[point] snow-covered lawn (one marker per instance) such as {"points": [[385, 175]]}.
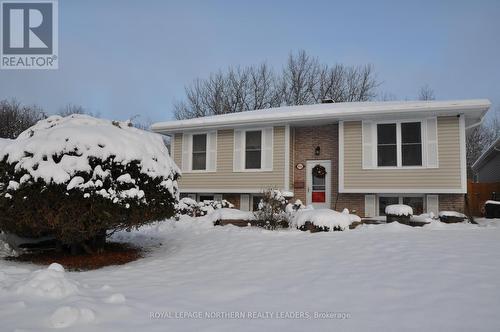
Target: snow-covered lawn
{"points": [[385, 277]]}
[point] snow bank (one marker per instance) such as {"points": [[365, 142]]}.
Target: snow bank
{"points": [[451, 214], [57, 148], [48, 283], [321, 218], [228, 214], [399, 210], [352, 217], [115, 298], [4, 142], [67, 316]]}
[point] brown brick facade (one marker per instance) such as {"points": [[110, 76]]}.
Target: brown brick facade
{"points": [[451, 202], [354, 202], [306, 139]]}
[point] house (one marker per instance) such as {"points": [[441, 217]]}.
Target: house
{"points": [[361, 156], [487, 166]]}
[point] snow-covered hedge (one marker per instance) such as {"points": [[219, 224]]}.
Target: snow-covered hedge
{"points": [[323, 219], [451, 214], [192, 208], [75, 177]]}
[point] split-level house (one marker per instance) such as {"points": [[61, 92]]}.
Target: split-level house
{"points": [[362, 156]]}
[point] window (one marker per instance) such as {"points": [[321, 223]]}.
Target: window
{"points": [[387, 144], [399, 144], [206, 198], [415, 202], [255, 202], [411, 144], [199, 152], [384, 201], [253, 149]]}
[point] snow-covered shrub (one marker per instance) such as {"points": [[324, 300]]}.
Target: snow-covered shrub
{"points": [[291, 208], [271, 210], [451, 217], [321, 220], [192, 208], [210, 206], [398, 212], [186, 206], [76, 177]]}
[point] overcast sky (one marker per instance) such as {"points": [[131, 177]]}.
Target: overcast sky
{"points": [[121, 58]]}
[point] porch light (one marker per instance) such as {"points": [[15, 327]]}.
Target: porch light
{"points": [[317, 151]]}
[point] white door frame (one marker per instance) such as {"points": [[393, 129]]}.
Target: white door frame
{"points": [[327, 164]]}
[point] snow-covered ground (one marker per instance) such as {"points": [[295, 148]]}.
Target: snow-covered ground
{"points": [[381, 277]]}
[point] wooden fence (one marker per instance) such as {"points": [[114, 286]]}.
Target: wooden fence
{"points": [[478, 193]]}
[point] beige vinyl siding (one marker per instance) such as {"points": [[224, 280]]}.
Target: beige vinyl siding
{"points": [[447, 176], [224, 178]]}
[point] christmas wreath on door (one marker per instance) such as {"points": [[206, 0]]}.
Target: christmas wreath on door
{"points": [[319, 171]]}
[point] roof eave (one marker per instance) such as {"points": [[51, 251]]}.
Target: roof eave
{"points": [[474, 109]]}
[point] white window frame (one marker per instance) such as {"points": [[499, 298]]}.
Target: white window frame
{"points": [[244, 154], [206, 170], [191, 152], [262, 157], [399, 144]]}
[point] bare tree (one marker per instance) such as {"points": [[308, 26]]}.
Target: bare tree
{"points": [[16, 118], [426, 93], [70, 109], [481, 137], [303, 80]]}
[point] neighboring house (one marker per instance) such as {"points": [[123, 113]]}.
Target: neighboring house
{"points": [[487, 166], [373, 153]]}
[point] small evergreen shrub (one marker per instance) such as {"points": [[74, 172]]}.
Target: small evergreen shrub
{"points": [[271, 210]]}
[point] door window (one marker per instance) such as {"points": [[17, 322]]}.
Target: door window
{"points": [[318, 189]]}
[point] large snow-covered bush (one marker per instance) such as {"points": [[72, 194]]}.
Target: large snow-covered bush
{"points": [[78, 176]]}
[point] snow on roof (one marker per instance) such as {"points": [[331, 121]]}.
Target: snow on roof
{"points": [[473, 109], [79, 137], [495, 147]]}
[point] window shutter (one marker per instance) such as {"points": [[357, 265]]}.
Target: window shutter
{"points": [[212, 151], [267, 149], [368, 134], [245, 202], [187, 148], [432, 143], [370, 206], [433, 204], [238, 151]]}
